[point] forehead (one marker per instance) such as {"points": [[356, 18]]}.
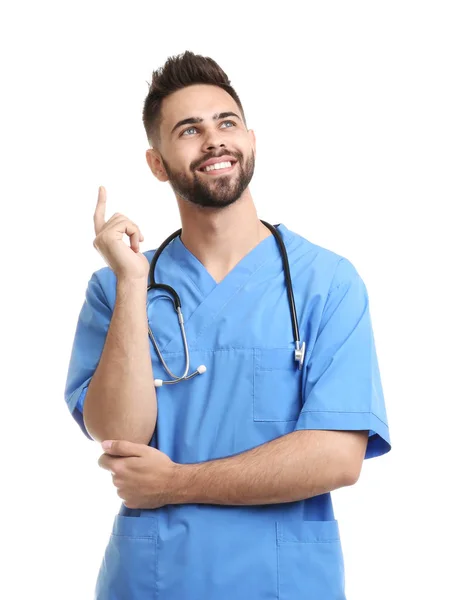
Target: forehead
{"points": [[195, 101]]}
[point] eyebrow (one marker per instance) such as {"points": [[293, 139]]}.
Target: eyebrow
{"points": [[191, 120]]}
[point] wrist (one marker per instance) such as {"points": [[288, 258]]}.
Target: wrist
{"points": [[135, 287], [183, 484], [124, 280]]}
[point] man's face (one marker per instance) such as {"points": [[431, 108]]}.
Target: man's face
{"points": [[201, 123]]}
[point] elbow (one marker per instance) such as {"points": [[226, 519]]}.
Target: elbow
{"points": [[350, 470], [344, 475], [353, 456], [100, 434], [350, 477], [138, 433]]}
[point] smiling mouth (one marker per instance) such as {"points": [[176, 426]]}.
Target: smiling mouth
{"points": [[216, 170]]}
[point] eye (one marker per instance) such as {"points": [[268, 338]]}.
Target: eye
{"points": [[194, 128], [186, 130]]}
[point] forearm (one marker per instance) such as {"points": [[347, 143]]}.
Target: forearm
{"points": [[121, 399], [293, 467]]}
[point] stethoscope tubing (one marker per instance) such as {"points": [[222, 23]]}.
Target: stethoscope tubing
{"points": [[177, 305], [288, 281]]}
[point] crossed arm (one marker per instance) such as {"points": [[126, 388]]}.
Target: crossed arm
{"points": [[293, 467]]}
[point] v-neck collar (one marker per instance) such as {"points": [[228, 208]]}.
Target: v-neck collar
{"points": [[216, 296], [195, 270]]}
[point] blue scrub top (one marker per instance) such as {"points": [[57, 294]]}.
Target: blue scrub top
{"points": [[251, 393]]}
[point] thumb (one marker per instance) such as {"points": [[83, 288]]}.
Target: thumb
{"points": [[122, 448]]}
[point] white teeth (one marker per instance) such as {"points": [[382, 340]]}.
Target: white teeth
{"points": [[222, 165]]}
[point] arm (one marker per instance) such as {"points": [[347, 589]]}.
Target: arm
{"points": [[121, 399], [293, 467]]}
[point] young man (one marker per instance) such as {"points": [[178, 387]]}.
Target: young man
{"points": [[226, 475]]}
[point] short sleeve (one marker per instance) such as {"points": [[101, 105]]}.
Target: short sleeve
{"points": [[91, 332], [343, 388]]}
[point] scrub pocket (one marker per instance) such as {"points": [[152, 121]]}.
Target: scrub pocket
{"points": [[310, 561], [277, 383], [128, 569]]}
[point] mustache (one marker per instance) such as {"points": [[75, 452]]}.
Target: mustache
{"points": [[223, 153]]}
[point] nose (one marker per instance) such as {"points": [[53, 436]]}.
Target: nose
{"points": [[212, 140]]}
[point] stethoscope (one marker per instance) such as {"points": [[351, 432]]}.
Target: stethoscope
{"points": [[299, 352]]}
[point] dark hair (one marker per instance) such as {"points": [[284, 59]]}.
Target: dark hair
{"points": [[179, 72]]}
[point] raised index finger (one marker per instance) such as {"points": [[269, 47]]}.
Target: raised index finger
{"points": [[99, 213]]}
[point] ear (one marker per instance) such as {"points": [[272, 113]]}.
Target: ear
{"points": [[252, 140], [156, 165]]}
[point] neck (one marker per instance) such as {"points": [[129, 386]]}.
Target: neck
{"points": [[220, 238]]}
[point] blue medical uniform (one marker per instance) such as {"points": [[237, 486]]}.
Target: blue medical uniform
{"points": [[251, 393]]}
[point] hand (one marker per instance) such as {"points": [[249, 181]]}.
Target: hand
{"points": [[143, 475], [125, 262]]}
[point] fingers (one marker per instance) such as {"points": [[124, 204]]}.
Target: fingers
{"points": [[123, 448], [134, 233], [118, 223], [134, 242], [136, 237], [106, 462], [127, 226], [99, 213]]}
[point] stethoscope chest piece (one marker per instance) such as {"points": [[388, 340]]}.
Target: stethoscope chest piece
{"points": [[299, 355]]}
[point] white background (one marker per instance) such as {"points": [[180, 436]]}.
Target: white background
{"points": [[351, 103]]}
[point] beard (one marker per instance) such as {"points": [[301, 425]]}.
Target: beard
{"points": [[213, 192]]}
